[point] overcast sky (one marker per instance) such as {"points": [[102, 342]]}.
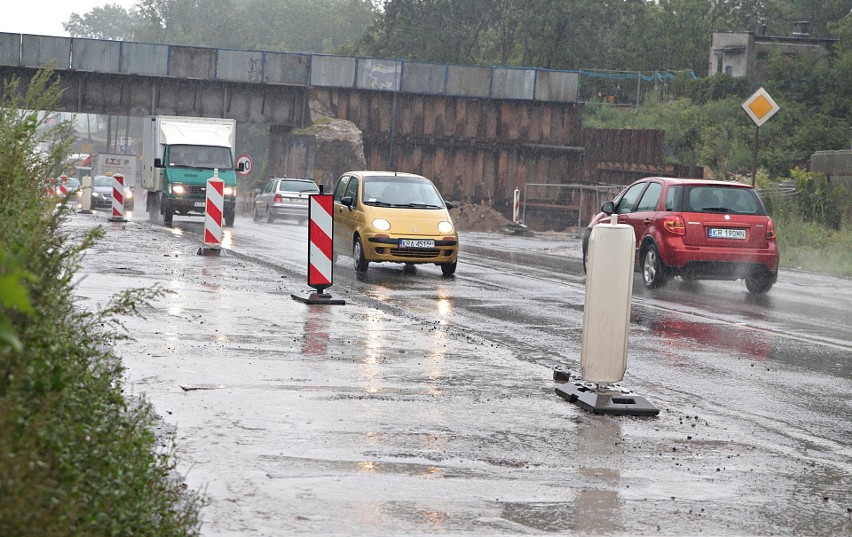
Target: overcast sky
{"points": [[45, 17]]}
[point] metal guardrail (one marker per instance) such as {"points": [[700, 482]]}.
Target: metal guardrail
{"points": [[559, 203]]}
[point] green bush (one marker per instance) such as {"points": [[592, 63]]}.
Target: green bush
{"points": [[76, 458]]}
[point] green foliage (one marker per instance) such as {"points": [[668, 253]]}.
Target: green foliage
{"points": [[718, 87], [75, 458]]}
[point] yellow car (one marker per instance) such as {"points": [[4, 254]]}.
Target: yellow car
{"points": [[393, 217]]}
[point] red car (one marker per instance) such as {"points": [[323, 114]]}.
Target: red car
{"points": [[696, 229]]}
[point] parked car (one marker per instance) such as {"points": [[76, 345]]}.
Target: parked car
{"points": [[385, 216], [284, 197], [102, 193], [697, 230]]}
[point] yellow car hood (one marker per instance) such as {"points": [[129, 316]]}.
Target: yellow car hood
{"points": [[410, 221]]}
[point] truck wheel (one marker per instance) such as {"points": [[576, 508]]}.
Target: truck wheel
{"points": [[229, 219], [168, 213]]}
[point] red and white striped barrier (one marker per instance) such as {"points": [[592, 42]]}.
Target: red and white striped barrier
{"points": [[320, 249], [516, 208], [63, 186], [213, 215], [117, 198]]}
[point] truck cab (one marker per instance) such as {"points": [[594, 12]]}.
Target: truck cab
{"points": [[187, 152]]}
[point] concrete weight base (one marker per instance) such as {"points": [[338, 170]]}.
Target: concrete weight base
{"points": [[604, 402], [318, 298]]}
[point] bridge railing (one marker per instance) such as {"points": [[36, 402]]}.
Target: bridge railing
{"points": [[298, 69]]}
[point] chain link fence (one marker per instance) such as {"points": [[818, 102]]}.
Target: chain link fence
{"points": [[563, 207]]}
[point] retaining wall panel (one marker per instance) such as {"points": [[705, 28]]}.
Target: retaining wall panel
{"points": [[556, 86], [382, 75], [283, 68], [10, 49], [334, 71], [95, 55], [513, 83], [428, 78], [145, 59], [39, 50], [192, 62], [468, 81], [240, 65]]}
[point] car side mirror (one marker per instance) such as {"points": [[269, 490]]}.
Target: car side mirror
{"points": [[158, 163], [346, 201], [608, 207], [257, 191], [449, 205]]}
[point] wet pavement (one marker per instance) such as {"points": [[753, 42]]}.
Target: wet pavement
{"points": [[426, 405]]}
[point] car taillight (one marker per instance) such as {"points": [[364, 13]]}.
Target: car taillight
{"points": [[674, 225], [278, 198], [770, 229]]}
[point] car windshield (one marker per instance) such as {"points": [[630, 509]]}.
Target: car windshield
{"points": [[722, 199], [395, 191], [200, 156], [298, 186], [73, 182], [102, 180]]}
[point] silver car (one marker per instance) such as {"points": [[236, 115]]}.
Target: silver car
{"points": [[102, 193], [284, 197]]}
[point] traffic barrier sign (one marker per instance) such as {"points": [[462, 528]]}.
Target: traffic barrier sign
{"points": [[213, 216], [516, 208], [606, 323], [320, 249], [117, 199], [63, 186]]}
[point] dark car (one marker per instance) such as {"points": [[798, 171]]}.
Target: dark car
{"points": [[284, 197], [696, 230], [102, 188]]}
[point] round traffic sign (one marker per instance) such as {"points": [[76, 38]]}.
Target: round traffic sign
{"points": [[245, 160]]}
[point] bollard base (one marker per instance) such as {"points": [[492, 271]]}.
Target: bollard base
{"points": [[116, 219], [318, 298], [561, 375], [516, 228], [84, 211], [603, 402], [210, 251]]}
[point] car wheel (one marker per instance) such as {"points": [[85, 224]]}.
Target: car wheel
{"points": [[653, 271], [758, 284], [254, 214], [448, 269], [358, 255], [269, 216]]}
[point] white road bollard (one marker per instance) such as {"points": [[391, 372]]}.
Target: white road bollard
{"points": [[320, 250], [516, 207], [213, 208], [117, 199], [606, 324], [86, 196]]}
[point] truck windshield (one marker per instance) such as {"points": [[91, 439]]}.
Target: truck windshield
{"points": [[200, 156]]}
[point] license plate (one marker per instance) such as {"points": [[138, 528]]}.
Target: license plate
{"points": [[725, 233], [416, 243], [198, 204]]}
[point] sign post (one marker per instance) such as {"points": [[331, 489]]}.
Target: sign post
{"points": [[759, 107]]}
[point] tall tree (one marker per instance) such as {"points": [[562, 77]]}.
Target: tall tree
{"points": [[110, 21]]}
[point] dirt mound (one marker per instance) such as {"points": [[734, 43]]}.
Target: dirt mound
{"points": [[477, 218]]}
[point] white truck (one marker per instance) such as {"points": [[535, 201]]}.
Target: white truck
{"points": [[113, 163], [179, 155]]}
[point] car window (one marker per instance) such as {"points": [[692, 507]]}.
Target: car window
{"points": [[293, 185], [672, 196], [102, 180], [402, 191], [723, 199], [651, 197], [628, 200], [341, 188], [352, 189], [270, 185]]}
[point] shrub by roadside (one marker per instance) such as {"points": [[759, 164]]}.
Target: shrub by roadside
{"points": [[75, 457]]}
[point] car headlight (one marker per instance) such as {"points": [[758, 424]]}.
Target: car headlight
{"points": [[228, 191], [178, 189], [445, 227], [381, 224]]}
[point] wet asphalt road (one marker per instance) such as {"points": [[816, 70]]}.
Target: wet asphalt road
{"points": [[426, 404]]}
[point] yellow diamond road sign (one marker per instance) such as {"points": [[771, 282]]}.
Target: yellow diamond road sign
{"points": [[760, 107]]}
